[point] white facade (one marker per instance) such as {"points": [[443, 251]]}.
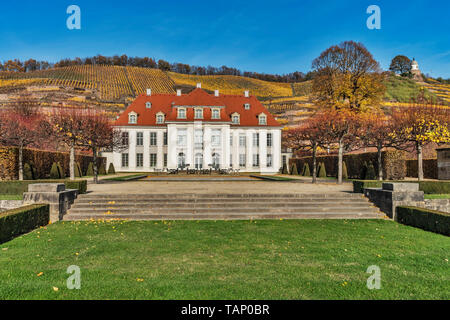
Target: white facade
{"points": [[199, 144]]}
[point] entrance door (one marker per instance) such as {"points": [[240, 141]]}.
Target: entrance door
{"points": [[216, 160], [181, 160], [198, 161]]}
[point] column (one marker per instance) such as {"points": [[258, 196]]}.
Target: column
{"points": [[171, 146], [207, 157], [263, 151], [249, 150], [132, 151], [160, 152]]}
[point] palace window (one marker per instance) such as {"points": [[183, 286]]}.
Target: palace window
{"points": [[165, 138], [139, 160], [262, 119], [269, 160], [152, 159], [124, 160], [215, 114], [159, 118], [132, 118], [256, 160], [181, 137], [215, 137], [256, 139], [125, 138], [198, 139], [148, 105], [242, 140], [235, 119], [181, 113], [165, 160], [269, 139], [140, 139], [198, 113], [153, 139], [242, 160]]}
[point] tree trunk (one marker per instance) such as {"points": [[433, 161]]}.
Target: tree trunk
{"points": [[419, 161], [72, 163], [314, 168], [380, 165], [340, 160], [21, 162], [94, 165]]}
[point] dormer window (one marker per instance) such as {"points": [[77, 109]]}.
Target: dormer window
{"points": [[148, 105], [181, 113], [132, 118], [160, 118], [247, 106], [235, 118], [198, 113], [215, 114], [262, 119]]}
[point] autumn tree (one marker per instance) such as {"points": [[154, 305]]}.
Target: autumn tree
{"points": [[347, 76], [421, 124], [23, 126], [377, 130], [308, 136], [339, 128], [400, 65]]}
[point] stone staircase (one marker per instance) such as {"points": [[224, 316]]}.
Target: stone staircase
{"points": [[222, 206]]}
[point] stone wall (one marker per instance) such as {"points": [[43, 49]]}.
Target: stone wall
{"points": [[437, 204]]}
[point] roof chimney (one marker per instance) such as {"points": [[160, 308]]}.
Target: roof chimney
{"points": [[178, 92], [199, 85], [246, 93], [216, 93], [149, 92]]}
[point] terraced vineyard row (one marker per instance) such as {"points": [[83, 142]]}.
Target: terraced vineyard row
{"points": [[234, 85]]}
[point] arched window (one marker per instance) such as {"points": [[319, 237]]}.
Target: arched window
{"points": [[216, 160], [132, 118], [262, 119], [181, 160], [198, 161], [148, 105], [159, 118]]}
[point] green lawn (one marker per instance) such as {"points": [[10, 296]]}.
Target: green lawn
{"points": [[437, 196], [277, 259], [11, 197]]}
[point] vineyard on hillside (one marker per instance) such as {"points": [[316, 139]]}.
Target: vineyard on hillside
{"points": [[109, 82], [234, 85]]}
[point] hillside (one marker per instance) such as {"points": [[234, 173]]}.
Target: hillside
{"points": [[112, 88]]}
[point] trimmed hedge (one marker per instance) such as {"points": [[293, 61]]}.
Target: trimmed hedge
{"points": [[21, 220], [428, 187], [393, 163], [430, 168], [430, 220], [111, 169], [19, 187]]}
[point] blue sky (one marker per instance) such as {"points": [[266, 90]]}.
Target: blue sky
{"points": [[264, 36]]}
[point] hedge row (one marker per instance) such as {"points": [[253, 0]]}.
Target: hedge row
{"points": [[430, 169], [19, 187], [40, 161], [21, 220], [428, 187], [393, 163], [430, 220]]}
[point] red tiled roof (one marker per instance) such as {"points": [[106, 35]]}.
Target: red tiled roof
{"points": [[167, 103]]}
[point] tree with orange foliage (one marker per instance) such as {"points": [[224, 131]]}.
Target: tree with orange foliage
{"points": [[308, 136], [376, 130], [421, 124]]}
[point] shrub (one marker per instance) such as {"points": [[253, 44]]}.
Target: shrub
{"points": [[306, 171], [363, 171], [28, 172], [430, 168], [285, 169], [111, 169], [370, 172], [294, 169], [62, 174], [102, 169], [344, 171], [54, 172], [80, 185], [394, 165], [428, 187], [77, 170], [430, 220], [322, 170], [90, 169], [21, 220]]}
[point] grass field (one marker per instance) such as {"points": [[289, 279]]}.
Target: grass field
{"points": [[288, 259]]}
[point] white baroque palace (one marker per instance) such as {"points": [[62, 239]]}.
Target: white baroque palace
{"points": [[198, 130]]}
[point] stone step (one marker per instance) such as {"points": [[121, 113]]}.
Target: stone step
{"points": [[217, 205], [217, 196], [222, 210], [224, 216]]}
